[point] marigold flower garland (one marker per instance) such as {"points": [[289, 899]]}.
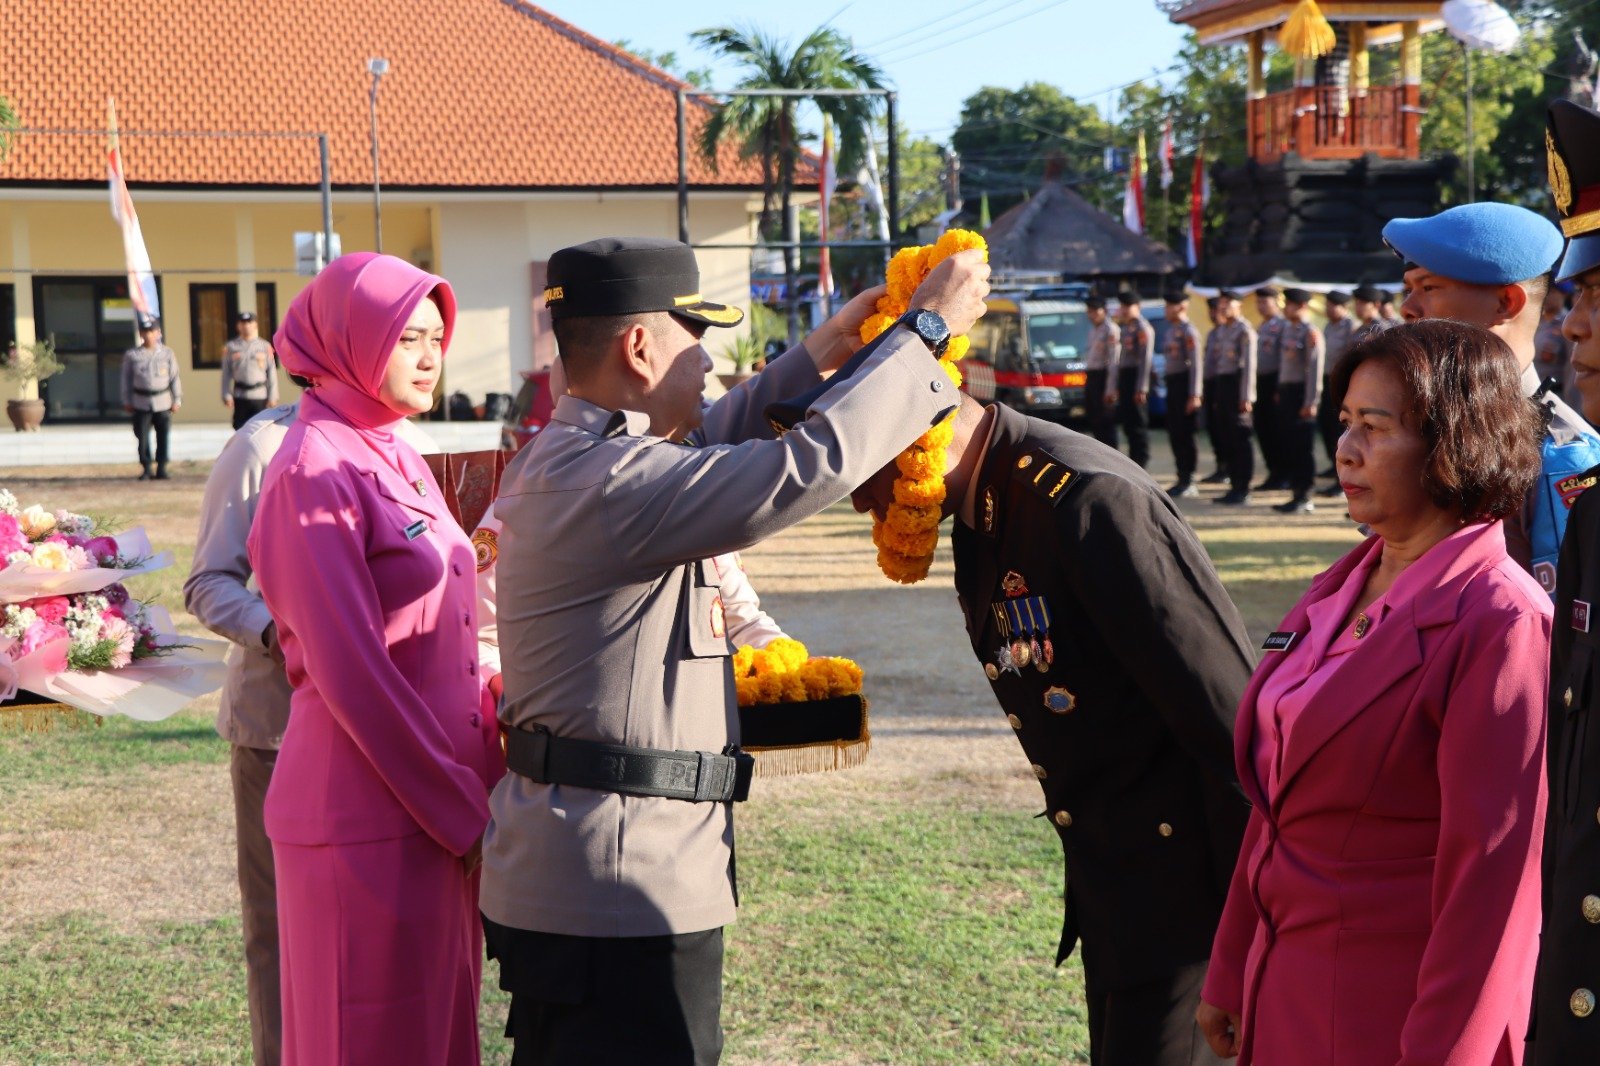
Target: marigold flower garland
{"points": [[784, 672], [906, 539]]}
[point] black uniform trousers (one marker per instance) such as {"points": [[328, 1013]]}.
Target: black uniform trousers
{"points": [[1102, 419], [142, 423], [1149, 1024], [1328, 422], [1297, 439], [1233, 428], [244, 410], [1216, 428], [600, 1001], [1265, 419], [1181, 425], [1133, 417]]}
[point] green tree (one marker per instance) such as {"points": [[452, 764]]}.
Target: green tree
{"points": [[765, 128], [1006, 138], [700, 77], [8, 122]]}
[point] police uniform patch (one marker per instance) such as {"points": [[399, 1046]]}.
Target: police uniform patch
{"points": [[486, 545], [1046, 476], [1574, 486], [719, 618], [1580, 616], [1058, 700], [1014, 584]]}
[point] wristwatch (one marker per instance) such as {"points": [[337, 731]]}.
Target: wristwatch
{"points": [[928, 325]]}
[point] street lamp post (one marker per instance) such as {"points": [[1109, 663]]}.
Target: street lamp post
{"points": [[377, 68]]}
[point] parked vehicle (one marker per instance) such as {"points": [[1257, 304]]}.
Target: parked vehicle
{"points": [[529, 412], [1027, 352]]}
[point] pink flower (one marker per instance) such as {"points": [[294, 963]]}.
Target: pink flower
{"points": [[116, 629], [51, 608], [37, 635], [112, 612], [102, 549], [12, 538], [115, 594]]}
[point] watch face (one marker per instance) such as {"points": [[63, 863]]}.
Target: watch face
{"points": [[932, 329]]}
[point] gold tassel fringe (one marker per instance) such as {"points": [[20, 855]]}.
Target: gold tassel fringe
{"points": [[1307, 34], [44, 717], [811, 758]]}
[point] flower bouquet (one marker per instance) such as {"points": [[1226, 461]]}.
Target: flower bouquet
{"points": [[70, 634], [799, 714]]}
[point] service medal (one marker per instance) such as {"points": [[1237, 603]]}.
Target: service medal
{"points": [[1020, 653], [1058, 700], [1040, 663], [1007, 664]]}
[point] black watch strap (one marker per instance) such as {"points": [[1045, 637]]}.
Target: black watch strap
{"points": [[930, 326]]}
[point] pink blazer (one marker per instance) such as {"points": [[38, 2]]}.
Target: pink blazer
{"points": [[1385, 906], [372, 585]]}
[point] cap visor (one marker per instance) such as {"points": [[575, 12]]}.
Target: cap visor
{"points": [[1582, 255], [711, 314]]}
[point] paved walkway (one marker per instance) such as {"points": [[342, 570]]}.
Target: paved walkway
{"points": [[75, 445]]}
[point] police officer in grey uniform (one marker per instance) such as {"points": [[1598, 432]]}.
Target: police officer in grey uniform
{"points": [[152, 393], [1136, 353], [1269, 342], [249, 372], [1219, 475], [1185, 390], [1302, 354], [1234, 393], [1338, 335], [608, 861], [1097, 364]]}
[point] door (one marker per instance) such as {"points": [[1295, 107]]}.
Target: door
{"points": [[92, 321]]}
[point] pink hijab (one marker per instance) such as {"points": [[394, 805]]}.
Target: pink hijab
{"points": [[342, 328]]}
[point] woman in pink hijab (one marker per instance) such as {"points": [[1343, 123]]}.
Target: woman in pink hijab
{"points": [[379, 799]]}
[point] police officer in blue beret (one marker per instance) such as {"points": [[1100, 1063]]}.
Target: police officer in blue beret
{"points": [[1565, 1027], [1490, 265]]}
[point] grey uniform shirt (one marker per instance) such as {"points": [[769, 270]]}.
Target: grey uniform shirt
{"points": [[1102, 346], [150, 379], [1136, 345], [221, 590], [1338, 337], [1234, 344], [1302, 355], [1269, 342], [610, 626], [1183, 356], [248, 371]]}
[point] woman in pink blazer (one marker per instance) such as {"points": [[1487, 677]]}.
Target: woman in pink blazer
{"points": [[379, 798], [1385, 907]]}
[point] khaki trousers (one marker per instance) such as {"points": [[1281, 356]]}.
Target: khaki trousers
{"points": [[251, 770]]}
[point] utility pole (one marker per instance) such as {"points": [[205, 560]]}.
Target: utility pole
{"points": [[377, 68]]}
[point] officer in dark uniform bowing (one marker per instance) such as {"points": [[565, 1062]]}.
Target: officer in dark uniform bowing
{"points": [[1119, 660], [1565, 1027]]}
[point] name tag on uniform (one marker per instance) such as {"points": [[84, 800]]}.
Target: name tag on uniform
{"points": [[1279, 641], [1580, 616], [416, 529]]}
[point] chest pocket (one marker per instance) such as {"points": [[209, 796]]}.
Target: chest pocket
{"points": [[403, 551], [704, 621]]}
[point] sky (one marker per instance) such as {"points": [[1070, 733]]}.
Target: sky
{"points": [[936, 53]]}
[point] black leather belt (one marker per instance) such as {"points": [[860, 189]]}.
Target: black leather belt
{"points": [[695, 776], [154, 392]]}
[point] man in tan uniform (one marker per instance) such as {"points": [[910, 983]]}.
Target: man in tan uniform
{"points": [[608, 861], [249, 372], [152, 393]]}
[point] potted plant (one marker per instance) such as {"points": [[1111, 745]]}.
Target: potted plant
{"points": [[745, 351], [25, 365]]}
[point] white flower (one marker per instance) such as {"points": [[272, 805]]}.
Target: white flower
{"points": [[114, 628], [36, 522], [52, 555], [8, 503]]}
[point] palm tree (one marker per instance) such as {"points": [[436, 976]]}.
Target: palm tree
{"points": [[764, 126]]}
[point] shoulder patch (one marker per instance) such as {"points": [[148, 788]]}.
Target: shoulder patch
{"points": [[1045, 475]]}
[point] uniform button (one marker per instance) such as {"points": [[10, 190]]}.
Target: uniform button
{"points": [[476, 720], [1063, 819], [472, 668], [1581, 1003], [466, 618], [1040, 772], [1164, 829], [1016, 723], [1566, 697], [936, 386], [1591, 909]]}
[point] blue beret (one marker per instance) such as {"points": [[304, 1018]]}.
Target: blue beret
{"points": [[1481, 244]]}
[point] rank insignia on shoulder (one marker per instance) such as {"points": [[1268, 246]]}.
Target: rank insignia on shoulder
{"points": [[1279, 641], [988, 509], [1058, 700], [1014, 584], [1580, 616], [1046, 476], [486, 545]]}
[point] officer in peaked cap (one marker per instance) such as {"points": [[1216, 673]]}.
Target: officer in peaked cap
{"points": [[608, 862], [1128, 388], [1185, 381], [1367, 301], [1232, 345], [152, 393], [1490, 265], [1337, 335], [1301, 356], [1099, 366], [1565, 1027], [1118, 659]]}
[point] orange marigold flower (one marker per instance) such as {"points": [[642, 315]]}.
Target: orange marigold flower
{"points": [[912, 520], [743, 656], [876, 324], [939, 436], [914, 545], [749, 690], [929, 493], [787, 653], [957, 350], [919, 464], [953, 372], [901, 568], [956, 240]]}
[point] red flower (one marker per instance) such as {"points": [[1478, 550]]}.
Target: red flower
{"points": [[51, 608]]}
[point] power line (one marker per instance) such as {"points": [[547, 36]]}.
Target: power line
{"points": [[963, 36], [969, 10]]}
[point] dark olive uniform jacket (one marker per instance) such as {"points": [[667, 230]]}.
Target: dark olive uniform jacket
{"points": [[1130, 730], [1565, 1028]]}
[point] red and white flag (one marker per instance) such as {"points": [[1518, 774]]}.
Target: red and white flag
{"points": [[1133, 197], [141, 279], [1166, 155], [830, 181], [1199, 197]]}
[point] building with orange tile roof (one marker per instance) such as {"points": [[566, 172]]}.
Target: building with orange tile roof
{"points": [[504, 134]]}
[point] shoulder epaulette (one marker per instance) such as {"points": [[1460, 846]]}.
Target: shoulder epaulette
{"points": [[1045, 475]]}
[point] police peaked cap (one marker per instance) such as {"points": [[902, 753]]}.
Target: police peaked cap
{"points": [[1297, 296], [1480, 244], [1337, 298], [1369, 294], [1573, 151], [628, 276]]}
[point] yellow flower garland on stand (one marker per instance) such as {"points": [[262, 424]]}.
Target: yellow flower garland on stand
{"points": [[781, 673], [906, 539]]}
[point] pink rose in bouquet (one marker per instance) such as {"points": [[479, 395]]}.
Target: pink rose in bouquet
{"points": [[38, 634], [12, 539], [103, 550], [51, 608]]}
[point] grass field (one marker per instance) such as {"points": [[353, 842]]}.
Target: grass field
{"points": [[903, 912]]}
